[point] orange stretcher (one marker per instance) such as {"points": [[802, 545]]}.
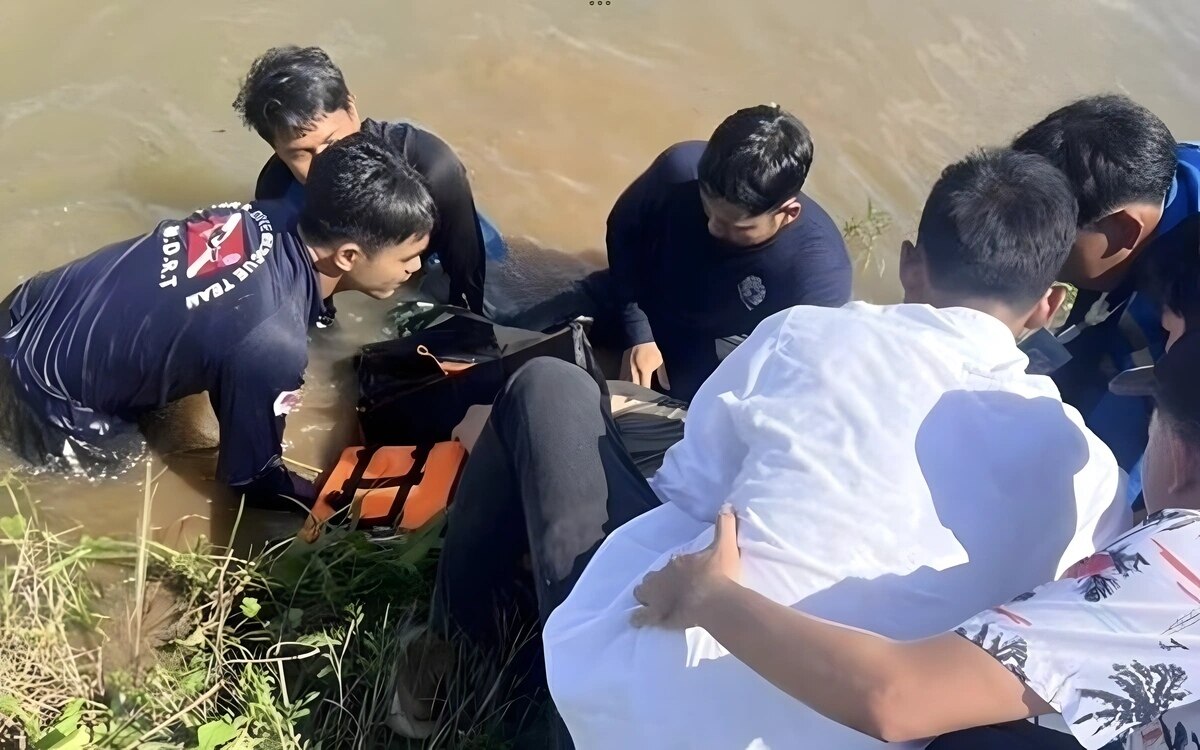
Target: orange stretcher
{"points": [[396, 487]]}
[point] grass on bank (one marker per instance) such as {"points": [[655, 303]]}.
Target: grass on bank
{"points": [[108, 643], [862, 235]]}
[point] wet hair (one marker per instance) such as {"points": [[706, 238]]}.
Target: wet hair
{"points": [[757, 159], [359, 191], [1114, 151], [287, 90], [998, 225]]}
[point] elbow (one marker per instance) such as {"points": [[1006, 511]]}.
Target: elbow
{"points": [[889, 715]]}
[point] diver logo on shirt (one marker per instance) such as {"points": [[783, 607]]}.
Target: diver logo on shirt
{"points": [[214, 243], [752, 291]]}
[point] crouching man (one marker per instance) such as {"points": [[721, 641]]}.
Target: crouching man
{"points": [[220, 301]]}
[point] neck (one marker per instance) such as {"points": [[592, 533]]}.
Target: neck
{"points": [[998, 310], [1190, 501], [328, 283]]}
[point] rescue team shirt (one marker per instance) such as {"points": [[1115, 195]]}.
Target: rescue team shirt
{"points": [[1113, 645], [689, 292], [220, 301], [456, 239]]}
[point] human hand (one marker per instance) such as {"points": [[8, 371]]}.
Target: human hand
{"points": [[674, 596], [640, 362]]}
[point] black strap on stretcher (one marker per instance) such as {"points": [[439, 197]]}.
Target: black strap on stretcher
{"points": [[403, 484]]}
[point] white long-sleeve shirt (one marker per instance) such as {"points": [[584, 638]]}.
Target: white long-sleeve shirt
{"points": [[893, 468]]}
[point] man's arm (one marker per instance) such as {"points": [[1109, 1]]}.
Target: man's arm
{"points": [[252, 398], [457, 238], [628, 239], [630, 226], [894, 691], [626, 242]]}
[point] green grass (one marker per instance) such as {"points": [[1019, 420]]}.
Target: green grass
{"points": [[111, 643], [862, 235]]}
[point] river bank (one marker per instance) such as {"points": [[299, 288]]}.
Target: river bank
{"points": [[111, 643]]}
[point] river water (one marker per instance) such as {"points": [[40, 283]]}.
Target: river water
{"points": [[115, 114]]}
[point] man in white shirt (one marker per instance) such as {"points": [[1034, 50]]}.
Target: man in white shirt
{"points": [[893, 468], [1112, 645]]}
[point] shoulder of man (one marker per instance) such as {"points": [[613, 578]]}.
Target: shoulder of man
{"points": [[421, 149], [818, 235], [679, 162], [274, 180]]}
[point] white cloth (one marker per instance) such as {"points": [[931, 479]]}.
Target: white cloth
{"points": [[893, 468], [1113, 644]]}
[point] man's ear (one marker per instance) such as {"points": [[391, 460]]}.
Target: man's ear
{"points": [[1046, 308], [1123, 230], [791, 211], [347, 255]]}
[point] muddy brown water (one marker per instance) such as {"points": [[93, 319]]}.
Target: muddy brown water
{"points": [[115, 114]]}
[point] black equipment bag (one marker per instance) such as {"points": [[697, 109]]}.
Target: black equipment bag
{"points": [[417, 388]]}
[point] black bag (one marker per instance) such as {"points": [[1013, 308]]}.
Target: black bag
{"points": [[416, 389]]}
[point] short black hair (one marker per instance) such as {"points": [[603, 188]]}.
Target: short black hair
{"points": [[289, 88], [757, 159], [1114, 151], [998, 225], [360, 191]]}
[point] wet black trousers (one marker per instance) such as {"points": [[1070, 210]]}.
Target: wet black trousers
{"points": [[548, 480], [1016, 735]]}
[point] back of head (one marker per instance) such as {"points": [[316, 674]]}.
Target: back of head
{"points": [[359, 191], [757, 159], [998, 226], [287, 89], [1115, 152]]}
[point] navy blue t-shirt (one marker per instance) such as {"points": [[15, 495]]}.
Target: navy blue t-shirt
{"points": [[457, 237], [693, 294], [220, 301]]}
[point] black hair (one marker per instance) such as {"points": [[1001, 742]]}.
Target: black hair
{"points": [[1114, 151], [359, 191], [289, 88], [757, 159], [998, 225]]}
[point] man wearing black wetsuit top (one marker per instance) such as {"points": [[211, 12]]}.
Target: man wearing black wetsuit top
{"points": [[220, 302], [297, 100], [712, 239]]}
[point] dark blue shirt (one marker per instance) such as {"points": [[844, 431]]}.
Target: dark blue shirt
{"points": [[218, 302], [1132, 334], [457, 239], [695, 295]]}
